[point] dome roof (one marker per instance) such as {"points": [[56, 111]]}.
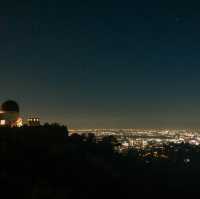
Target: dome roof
{"points": [[10, 106]]}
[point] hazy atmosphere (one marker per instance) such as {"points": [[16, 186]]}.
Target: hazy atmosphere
{"points": [[102, 64]]}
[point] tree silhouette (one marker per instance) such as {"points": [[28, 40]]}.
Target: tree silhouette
{"points": [[45, 162]]}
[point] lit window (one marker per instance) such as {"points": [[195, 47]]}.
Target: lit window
{"points": [[3, 122]]}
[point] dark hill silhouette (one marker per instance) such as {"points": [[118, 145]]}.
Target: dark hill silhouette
{"points": [[44, 162]]}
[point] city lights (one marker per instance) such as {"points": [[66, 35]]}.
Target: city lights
{"points": [[142, 138]]}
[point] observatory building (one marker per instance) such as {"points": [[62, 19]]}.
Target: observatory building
{"points": [[34, 121], [9, 114]]}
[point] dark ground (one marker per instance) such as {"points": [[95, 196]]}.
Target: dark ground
{"points": [[44, 162]]}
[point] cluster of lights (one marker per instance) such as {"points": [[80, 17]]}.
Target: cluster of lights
{"points": [[19, 122], [33, 120], [141, 139]]}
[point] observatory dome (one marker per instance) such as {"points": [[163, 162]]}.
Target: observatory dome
{"points": [[10, 106]]}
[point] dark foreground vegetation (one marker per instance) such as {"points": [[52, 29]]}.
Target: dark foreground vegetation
{"points": [[44, 162]]}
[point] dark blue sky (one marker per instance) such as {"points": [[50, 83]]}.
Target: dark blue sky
{"points": [[102, 63]]}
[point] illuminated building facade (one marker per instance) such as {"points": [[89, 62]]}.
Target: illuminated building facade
{"points": [[9, 114], [34, 121]]}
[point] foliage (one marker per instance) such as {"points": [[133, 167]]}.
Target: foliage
{"points": [[44, 162]]}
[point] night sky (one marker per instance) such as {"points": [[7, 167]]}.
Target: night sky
{"points": [[102, 63]]}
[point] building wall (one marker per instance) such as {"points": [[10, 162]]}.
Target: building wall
{"points": [[8, 118]]}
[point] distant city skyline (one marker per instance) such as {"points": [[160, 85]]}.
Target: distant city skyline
{"points": [[111, 64]]}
